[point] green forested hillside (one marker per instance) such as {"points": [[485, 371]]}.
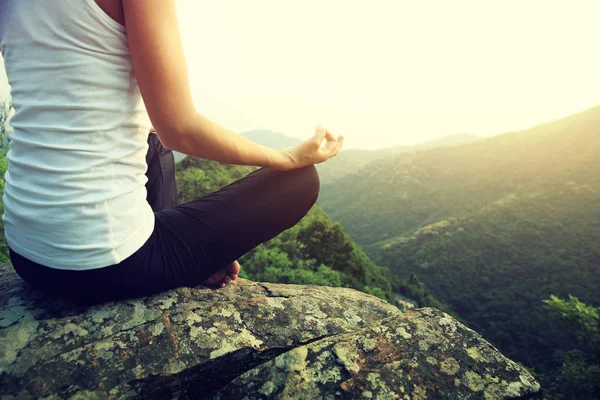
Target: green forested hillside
{"points": [[492, 228], [396, 195], [315, 251]]}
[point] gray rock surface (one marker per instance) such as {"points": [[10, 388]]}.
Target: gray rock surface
{"points": [[248, 340]]}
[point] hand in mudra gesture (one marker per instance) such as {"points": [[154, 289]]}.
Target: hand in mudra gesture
{"points": [[320, 147]]}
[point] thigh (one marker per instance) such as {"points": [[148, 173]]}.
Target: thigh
{"points": [[143, 273], [221, 227]]}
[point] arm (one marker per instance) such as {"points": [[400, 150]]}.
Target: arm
{"points": [[159, 64]]}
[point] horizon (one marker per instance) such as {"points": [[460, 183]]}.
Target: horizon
{"points": [[437, 137], [390, 73]]}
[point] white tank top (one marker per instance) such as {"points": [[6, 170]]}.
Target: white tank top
{"points": [[75, 195]]}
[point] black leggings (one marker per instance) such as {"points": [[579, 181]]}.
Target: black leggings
{"points": [[190, 241]]}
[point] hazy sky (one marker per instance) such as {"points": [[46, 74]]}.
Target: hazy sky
{"points": [[391, 72]]}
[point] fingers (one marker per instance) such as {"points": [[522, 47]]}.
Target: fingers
{"points": [[320, 133], [330, 136], [333, 145], [336, 146], [340, 143]]}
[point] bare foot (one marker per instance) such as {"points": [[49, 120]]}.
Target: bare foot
{"points": [[225, 275], [215, 278]]}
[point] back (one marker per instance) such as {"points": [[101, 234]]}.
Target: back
{"points": [[74, 195]]}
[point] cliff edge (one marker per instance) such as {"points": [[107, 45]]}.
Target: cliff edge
{"points": [[249, 340]]}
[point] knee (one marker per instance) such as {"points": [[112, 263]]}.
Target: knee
{"points": [[294, 190], [299, 191], [308, 182]]}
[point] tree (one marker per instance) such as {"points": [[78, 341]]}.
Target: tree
{"points": [[327, 243], [579, 375], [5, 114]]}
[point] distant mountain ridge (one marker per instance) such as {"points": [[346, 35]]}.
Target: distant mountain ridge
{"points": [[272, 139], [491, 227], [446, 141], [491, 166], [349, 161]]}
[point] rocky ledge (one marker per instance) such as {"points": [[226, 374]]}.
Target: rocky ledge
{"points": [[249, 340]]}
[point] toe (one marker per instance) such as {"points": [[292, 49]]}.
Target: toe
{"points": [[233, 268], [216, 277], [226, 280], [225, 276]]}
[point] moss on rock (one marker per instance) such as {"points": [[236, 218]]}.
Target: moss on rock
{"points": [[258, 340]]}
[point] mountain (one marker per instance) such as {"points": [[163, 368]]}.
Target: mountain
{"points": [[350, 161], [401, 193], [270, 139], [446, 141], [490, 228]]}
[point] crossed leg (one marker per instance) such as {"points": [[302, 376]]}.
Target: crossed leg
{"points": [[236, 218], [161, 192], [201, 240]]}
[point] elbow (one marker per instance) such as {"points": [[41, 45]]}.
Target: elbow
{"points": [[173, 134], [168, 140]]}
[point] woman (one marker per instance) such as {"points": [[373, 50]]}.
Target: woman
{"points": [[76, 216]]}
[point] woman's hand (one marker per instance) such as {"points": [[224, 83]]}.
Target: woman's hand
{"points": [[313, 150]]}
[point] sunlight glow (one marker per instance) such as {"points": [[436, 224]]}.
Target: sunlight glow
{"points": [[391, 72]]}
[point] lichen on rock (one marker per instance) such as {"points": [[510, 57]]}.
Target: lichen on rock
{"points": [[248, 340], [399, 369]]}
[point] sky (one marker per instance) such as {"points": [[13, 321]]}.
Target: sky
{"points": [[394, 72]]}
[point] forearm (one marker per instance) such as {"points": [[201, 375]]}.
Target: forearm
{"points": [[160, 69], [201, 137]]}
